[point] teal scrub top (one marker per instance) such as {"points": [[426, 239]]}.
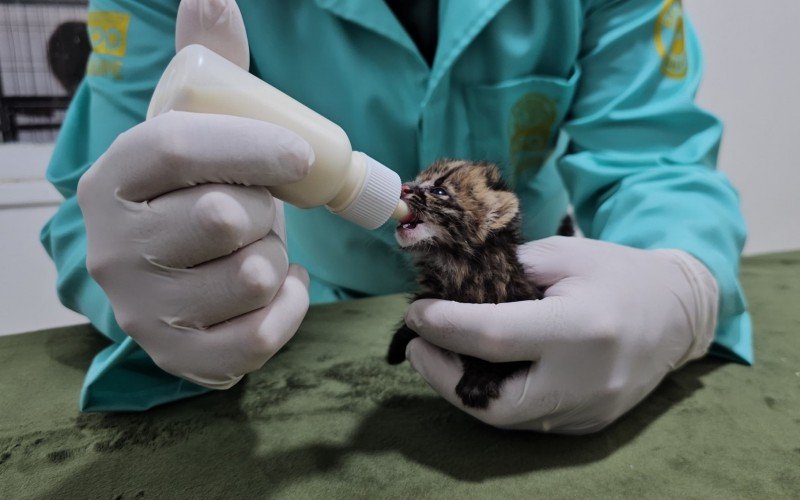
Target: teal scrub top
{"points": [[581, 101]]}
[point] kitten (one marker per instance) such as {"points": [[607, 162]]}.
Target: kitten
{"points": [[463, 232]]}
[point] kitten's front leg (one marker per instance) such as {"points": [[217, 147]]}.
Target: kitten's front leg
{"points": [[483, 380], [397, 348]]}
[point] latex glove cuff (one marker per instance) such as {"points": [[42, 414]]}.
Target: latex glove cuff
{"points": [[704, 306]]}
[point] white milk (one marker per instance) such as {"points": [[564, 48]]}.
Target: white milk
{"points": [[349, 183]]}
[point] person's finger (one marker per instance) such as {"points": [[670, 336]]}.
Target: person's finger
{"points": [[527, 401], [190, 226], [229, 350], [216, 24], [279, 222], [441, 369], [180, 149], [226, 288], [512, 331], [273, 326]]}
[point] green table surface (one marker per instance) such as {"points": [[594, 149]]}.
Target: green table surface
{"points": [[328, 418]]}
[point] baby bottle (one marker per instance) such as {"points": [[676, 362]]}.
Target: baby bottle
{"points": [[349, 183]]}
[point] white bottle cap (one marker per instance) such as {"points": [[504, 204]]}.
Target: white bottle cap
{"points": [[378, 197]]}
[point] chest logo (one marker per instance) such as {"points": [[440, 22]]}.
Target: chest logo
{"points": [[532, 120], [669, 39]]}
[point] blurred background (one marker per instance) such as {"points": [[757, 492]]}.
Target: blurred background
{"points": [[43, 52], [751, 81]]}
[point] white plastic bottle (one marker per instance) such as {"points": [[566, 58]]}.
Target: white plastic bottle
{"points": [[349, 183]]}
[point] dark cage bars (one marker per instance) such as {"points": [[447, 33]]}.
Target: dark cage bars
{"points": [[43, 51]]}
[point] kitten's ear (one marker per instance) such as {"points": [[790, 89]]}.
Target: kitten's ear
{"points": [[494, 179], [504, 206], [491, 172]]}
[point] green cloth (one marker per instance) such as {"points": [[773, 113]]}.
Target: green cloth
{"points": [[328, 418]]}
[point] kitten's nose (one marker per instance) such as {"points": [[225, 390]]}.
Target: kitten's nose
{"points": [[405, 191]]}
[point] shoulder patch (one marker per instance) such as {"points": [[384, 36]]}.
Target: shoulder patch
{"points": [[108, 32], [669, 41]]}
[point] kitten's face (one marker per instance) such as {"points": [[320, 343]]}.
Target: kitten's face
{"points": [[455, 204]]}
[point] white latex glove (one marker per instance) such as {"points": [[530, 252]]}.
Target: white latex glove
{"points": [[614, 321], [184, 236]]}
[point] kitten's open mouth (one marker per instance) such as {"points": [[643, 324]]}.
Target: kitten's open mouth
{"points": [[410, 221]]}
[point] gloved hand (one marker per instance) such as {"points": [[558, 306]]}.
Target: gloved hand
{"points": [[614, 321], [184, 236]]}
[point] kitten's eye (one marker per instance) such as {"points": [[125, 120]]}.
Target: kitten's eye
{"points": [[438, 191]]}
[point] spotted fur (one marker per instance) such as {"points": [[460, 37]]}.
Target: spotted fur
{"points": [[464, 245]]}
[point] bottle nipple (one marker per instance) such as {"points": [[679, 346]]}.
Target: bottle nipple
{"points": [[400, 211]]}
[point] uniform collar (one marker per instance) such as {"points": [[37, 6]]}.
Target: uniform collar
{"points": [[375, 16], [460, 22]]}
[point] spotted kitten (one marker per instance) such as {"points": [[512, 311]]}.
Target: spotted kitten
{"points": [[463, 232]]}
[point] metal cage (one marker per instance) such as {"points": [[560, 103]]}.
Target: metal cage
{"points": [[33, 93]]}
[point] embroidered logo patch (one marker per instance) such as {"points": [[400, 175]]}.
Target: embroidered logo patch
{"points": [[531, 124], [669, 39], [104, 67], [108, 32]]}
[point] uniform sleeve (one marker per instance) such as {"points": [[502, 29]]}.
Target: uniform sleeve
{"points": [[132, 42], [641, 165]]}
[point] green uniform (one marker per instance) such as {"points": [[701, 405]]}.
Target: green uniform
{"points": [[582, 101]]}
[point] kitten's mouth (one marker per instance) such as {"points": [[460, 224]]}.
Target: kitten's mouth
{"points": [[412, 231], [410, 221]]}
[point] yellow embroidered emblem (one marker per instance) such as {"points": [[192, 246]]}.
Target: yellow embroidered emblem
{"points": [[669, 30], [531, 124], [104, 67], [108, 32]]}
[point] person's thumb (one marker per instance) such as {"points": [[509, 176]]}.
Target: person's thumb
{"points": [[549, 260], [216, 24]]}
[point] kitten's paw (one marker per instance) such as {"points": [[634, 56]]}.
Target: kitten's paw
{"points": [[477, 391], [396, 354]]}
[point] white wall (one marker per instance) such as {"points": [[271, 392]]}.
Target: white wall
{"points": [[752, 81], [27, 276]]}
